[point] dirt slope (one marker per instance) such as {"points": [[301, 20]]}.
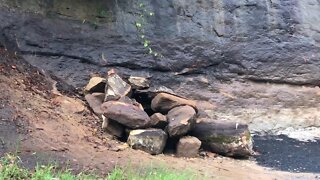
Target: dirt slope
{"points": [[41, 125]]}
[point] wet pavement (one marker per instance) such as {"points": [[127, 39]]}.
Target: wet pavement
{"points": [[286, 154]]}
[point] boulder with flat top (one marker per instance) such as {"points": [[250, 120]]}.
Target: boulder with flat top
{"points": [[164, 102], [181, 120], [226, 138], [126, 114]]}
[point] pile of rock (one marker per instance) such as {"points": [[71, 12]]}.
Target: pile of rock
{"points": [[169, 118]]}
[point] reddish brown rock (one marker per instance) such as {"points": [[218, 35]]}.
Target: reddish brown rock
{"points": [[95, 101], [112, 127], [158, 120], [126, 114], [128, 100], [181, 120], [164, 102], [188, 146]]}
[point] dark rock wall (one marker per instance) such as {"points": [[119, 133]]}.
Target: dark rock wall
{"points": [[261, 40]]}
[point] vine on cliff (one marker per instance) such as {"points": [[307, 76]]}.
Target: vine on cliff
{"points": [[140, 24]]}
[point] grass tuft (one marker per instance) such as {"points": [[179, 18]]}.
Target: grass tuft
{"points": [[10, 169]]}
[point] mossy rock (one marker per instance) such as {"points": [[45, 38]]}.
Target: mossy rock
{"points": [[225, 138]]}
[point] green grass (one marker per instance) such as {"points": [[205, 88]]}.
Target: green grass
{"points": [[150, 173], [10, 169]]}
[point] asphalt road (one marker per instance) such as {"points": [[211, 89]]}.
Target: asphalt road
{"points": [[286, 154]]}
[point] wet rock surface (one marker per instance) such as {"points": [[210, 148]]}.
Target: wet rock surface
{"points": [[261, 41]]}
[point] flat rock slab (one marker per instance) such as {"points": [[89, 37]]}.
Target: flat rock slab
{"points": [[164, 102], [151, 141], [96, 84], [225, 138], [181, 120], [95, 101], [139, 82], [188, 146], [126, 114]]}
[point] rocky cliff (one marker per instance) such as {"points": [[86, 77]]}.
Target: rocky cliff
{"points": [[204, 45]]}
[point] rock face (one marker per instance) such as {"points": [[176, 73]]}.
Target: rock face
{"points": [[188, 146], [202, 45], [229, 139], [164, 102], [274, 41], [181, 119], [126, 114], [95, 101], [152, 141]]}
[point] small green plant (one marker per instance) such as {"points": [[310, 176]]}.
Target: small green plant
{"points": [[150, 173], [140, 24], [116, 174], [9, 168]]}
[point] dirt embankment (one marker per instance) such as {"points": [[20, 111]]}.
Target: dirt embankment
{"points": [[41, 124]]}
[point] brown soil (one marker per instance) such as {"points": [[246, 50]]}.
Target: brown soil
{"points": [[43, 125]]}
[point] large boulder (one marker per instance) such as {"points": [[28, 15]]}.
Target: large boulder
{"points": [[164, 102], [126, 114], [95, 101], [188, 146], [96, 84], [225, 138], [116, 87], [151, 141], [181, 120]]}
